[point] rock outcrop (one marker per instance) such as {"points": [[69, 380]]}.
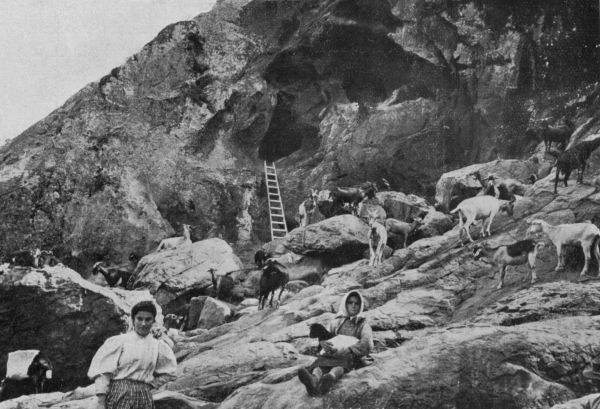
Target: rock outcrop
{"points": [[59, 313], [173, 276]]}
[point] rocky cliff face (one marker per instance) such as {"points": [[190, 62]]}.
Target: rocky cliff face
{"points": [[340, 91]]}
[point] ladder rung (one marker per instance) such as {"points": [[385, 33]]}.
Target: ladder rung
{"points": [[274, 229], [279, 216]]}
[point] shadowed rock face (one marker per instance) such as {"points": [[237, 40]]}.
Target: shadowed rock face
{"points": [[64, 316], [341, 91]]}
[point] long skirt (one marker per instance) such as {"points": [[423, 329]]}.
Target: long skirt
{"points": [[128, 394]]}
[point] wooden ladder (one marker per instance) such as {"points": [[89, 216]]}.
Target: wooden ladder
{"points": [[276, 213]]}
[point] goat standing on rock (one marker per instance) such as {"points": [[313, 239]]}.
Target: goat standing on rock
{"points": [[586, 235], [481, 208], [397, 227], [113, 275], [377, 239], [176, 242], [271, 279], [575, 157], [521, 252], [307, 208]]}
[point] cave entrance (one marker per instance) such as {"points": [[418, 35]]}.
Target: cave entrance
{"points": [[286, 134]]}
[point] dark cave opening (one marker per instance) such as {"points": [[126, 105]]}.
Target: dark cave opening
{"points": [[370, 66], [286, 134]]}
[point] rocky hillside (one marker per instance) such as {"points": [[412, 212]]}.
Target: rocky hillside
{"points": [[434, 96], [340, 92]]}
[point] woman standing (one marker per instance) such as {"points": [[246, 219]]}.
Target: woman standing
{"points": [[128, 366]]}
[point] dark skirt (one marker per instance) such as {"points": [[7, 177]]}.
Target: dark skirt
{"points": [[128, 394]]}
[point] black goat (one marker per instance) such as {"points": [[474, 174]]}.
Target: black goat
{"points": [[559, 134], [112, 275], [351, 196], [38, 374], [271, 279], [222, 285], [25, 258], [174, 321], [573, 158], [260, 257], [47, 258]]}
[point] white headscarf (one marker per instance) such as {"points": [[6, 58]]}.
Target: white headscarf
{"points": [[342, 312]]}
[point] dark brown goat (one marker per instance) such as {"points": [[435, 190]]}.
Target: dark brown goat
{"points": [[271, 279], [573, 158], [559, 134], [222, 285], [113, 275]]}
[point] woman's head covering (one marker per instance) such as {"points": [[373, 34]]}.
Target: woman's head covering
{"points": [[342, 312]]}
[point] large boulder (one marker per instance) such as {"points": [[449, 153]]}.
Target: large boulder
{"points": [[214, 313], [457, 185], [215, 373], [341, 239], [61, 314], [174, 275]]}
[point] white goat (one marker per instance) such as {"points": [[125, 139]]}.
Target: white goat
{"points": [[307, 208], [521, 252], [481, 208], [403, 228], [584, 234], [377, 239], [175, 242]]}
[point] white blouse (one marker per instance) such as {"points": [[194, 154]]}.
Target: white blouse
{"points": [[130, 356]]}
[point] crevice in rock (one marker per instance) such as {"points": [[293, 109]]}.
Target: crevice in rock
{"points": [[286, 133]]}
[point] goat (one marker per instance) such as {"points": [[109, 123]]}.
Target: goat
{"points": [[271, 279], [351, 195], [521, 252], [47, 258], [307, 208], [574, 158], [222, 285], [112, 275], [175, 242], [174, 321], [481, 207], [584, 234], [377, 239], [559, 134], [25, 258], [260, 257], [39, 372], [397, 227]]}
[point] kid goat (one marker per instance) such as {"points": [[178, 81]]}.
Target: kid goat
{"points": [[584, 234], [521, 252], [377, 239], [481, 208], [175, 242]]}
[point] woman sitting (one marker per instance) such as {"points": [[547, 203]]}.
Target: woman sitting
{"points": [[128, 366], [319, 377]]}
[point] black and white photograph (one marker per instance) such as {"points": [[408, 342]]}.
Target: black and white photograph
{"points": [[300, 204]]}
